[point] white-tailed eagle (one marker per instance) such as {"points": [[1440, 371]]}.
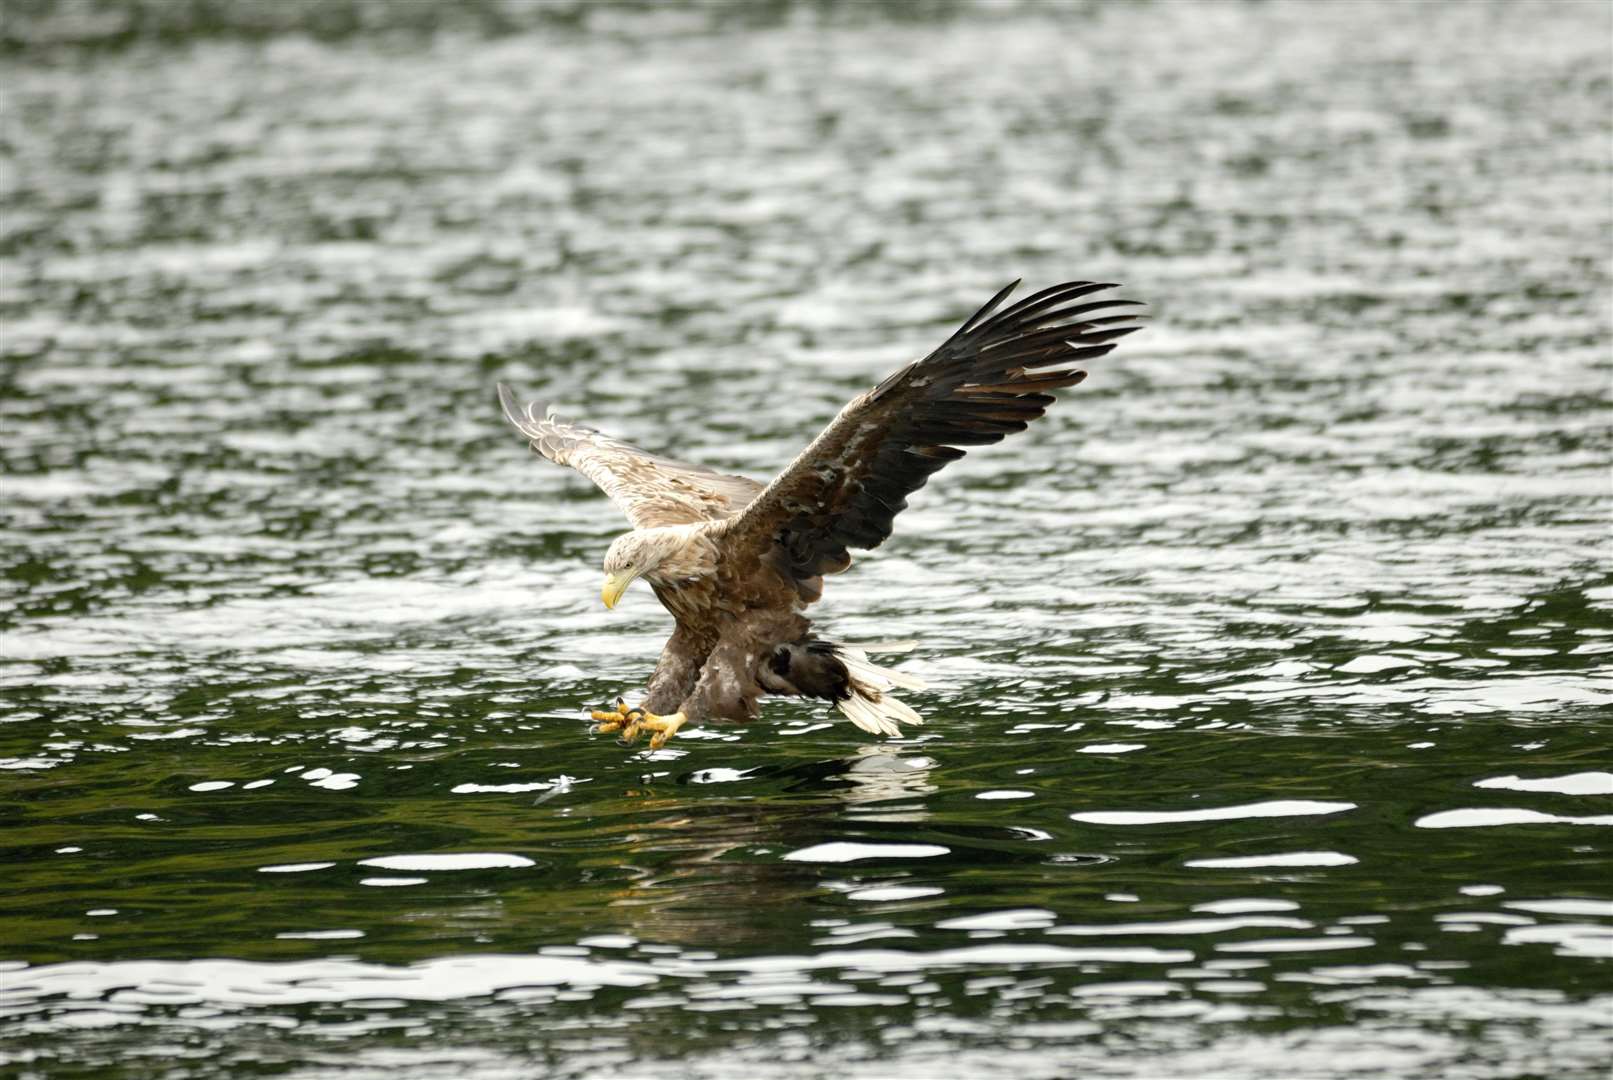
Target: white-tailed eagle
{"points": [[737, 563]]}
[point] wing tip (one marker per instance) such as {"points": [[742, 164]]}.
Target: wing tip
{"points": [[524, 417], [989, 308]]}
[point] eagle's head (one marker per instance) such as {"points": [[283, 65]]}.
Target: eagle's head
{"points": [[637, 553]]}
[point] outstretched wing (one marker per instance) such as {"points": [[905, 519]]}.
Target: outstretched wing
{"points": [[650, 490], [989, 379]]}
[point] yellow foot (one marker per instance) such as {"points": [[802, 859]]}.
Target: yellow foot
{"points": [[611, 722], [628, 723], [664, 727]]}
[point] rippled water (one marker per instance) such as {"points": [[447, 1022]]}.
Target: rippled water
{"points": [[1269, 724]]}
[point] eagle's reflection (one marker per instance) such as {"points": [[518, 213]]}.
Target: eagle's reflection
{"points": [[708, 869]]}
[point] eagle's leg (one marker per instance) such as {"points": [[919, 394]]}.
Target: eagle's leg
{"points": [[727, 689], [677, 670]]}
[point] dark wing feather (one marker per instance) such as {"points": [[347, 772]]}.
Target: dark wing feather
{"points": [[649, 489], [988, 380]]}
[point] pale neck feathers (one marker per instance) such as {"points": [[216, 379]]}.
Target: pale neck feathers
{"points": [[673, 554]]}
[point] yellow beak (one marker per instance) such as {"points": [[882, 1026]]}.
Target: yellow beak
{"points": [[615, 586]]}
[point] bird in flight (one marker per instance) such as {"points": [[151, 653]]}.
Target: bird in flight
{"points": [[738, 563]]}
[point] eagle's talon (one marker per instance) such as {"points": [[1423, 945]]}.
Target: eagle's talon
{"points": [[627, 723], [607, 723], [664, 727], [610, 722], [628, 726]]}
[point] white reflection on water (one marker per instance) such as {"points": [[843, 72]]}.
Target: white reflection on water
{"points": [[455, 861], [1272, 808], [1185, 926], [1587, 940], [1603, 908], [392, 882], [1014, 919], [318, 935], [1111, 748], [1292, 858], [1239, 906], [847, 851], [1486, 817], [1286, 945], [1583, 783], [884, 894], [505, 789]]}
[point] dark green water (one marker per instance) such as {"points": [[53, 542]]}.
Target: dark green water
{"points": [[1269, 730]]}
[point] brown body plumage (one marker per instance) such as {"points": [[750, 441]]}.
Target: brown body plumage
{"points": [[737, 563]]}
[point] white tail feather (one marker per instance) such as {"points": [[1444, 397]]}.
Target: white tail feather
{"points": [[870, 705], [857, 663]]}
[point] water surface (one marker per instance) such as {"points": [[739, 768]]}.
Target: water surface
{"points": [[1268, 731]]}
